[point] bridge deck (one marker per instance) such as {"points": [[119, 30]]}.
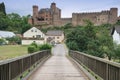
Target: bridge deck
{"points": [[58, 68]]}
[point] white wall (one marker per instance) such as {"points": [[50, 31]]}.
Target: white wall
{"points": [[28, 42], [116, 37], [33, 32], [61, 38]]}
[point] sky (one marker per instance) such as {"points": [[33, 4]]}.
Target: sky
{"points": [[24, 7]]}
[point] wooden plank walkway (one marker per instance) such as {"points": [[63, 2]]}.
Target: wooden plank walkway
{"points": [[58, 68]]}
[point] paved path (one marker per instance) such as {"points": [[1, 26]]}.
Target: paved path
{"points": [[58, 67]]}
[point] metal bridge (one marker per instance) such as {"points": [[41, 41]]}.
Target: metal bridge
{"points": [[60, 65]]}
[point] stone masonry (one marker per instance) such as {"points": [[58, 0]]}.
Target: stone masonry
{"points": [[52, 16]]}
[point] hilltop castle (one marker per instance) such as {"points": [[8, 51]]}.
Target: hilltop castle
{"points": [[52, 16]]}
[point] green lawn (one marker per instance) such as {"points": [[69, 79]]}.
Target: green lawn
{"points": [[11, 51]]}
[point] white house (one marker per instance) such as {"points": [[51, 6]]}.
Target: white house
{"points": [[116, 34], [33, 35], [54, 36]]}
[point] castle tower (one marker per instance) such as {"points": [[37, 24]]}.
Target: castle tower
{"points": [[56, 14], [113, 15], [53, 6], [35, 14], [35, 11], [74, 19]]}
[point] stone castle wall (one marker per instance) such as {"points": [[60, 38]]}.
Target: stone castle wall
{"points": [[65, 21], [54, 17], [97, 18]]}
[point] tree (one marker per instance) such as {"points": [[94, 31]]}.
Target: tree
{"points": [[3, 21], [93, 40], [14, 40], [2, 8], [118, 22]]}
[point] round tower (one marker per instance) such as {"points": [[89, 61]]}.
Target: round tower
{"points": [[53, 6], [35, 11]]}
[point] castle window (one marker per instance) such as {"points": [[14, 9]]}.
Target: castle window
{"points": [[40, 19], [46, 18]]}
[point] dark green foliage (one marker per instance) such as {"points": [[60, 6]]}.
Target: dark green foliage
{"points": [[31, 49], [67, 26], [118, 22], [14, 40], [34, 47], [3, 21], [2, 8], [117, 53], [73, 45], [34, 44], [93, 40], [45, 47], [14, 22]]}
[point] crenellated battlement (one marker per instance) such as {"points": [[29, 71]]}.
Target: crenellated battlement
{"points": [[52, 16], [93, 13]]}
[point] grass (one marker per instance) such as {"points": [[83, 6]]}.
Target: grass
{"points": [[11, 51]]}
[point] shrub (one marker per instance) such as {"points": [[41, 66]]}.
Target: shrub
{"points": [[45, 47], [31, 49], [34, 47], [34, 44]]}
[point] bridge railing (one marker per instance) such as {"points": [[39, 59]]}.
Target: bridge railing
{"points": [[10, 69], [105, 69]]}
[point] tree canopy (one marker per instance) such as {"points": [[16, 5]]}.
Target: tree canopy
{"points": [[2, 8], [93, 40]]}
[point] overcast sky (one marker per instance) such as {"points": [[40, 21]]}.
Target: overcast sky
{"points": [[24, 7]]}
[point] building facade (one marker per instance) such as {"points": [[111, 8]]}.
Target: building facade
{"points": [[54, 36], [33, 35], [52, 16]]}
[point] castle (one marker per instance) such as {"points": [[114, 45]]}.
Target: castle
{"points": [[52, 16]]}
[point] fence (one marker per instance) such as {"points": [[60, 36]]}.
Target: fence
{"points": [[10, 69], [105, 69]]}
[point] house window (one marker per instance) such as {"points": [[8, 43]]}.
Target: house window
{"points": [[38, 36], [33, 36], [57, 37]]}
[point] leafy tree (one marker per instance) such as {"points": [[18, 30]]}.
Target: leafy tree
{"points": [[14, 40], [93, 40], [2, 8], [73, 45], [3, 21]]}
